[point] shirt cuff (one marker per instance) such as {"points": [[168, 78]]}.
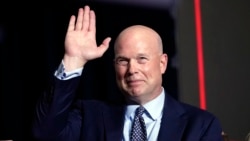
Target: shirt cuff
{"points": [[62, 75]]}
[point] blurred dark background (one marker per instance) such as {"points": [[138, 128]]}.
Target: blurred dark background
{"points": [[32, 35], [32, 47]]}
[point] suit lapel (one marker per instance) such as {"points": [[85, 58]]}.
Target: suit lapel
{"points": [[114, 122], [172, 123]]}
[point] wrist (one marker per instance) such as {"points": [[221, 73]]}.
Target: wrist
{"points": [[72, 63]]}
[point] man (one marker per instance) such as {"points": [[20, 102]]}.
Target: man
{"points": [[139, 64]]}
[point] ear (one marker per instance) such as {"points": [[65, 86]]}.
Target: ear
{"points": [[163, 62]]}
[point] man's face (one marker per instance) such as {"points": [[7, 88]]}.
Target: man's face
{"points": [[139, 67]]}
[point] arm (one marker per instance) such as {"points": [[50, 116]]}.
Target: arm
{"points": [[56, 118]]}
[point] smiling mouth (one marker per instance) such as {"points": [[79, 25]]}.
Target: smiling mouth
{"points": [[134, 82]]}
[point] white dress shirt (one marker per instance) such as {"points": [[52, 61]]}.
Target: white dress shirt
{"points": [[152, 117]]}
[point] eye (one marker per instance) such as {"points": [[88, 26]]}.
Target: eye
{"points": [[122, 61], [142, 60]]}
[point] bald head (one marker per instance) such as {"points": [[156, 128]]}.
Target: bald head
{"points": [[139, 63], [139, 33]]}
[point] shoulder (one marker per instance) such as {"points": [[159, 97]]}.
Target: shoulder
{"points": [[97, 105], [196, 112], [97, 110], [187, 110], [90, 103], [198, 117]]}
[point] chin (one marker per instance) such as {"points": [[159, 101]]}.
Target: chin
{"points": [[135, 93]]}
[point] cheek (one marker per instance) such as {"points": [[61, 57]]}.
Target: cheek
{"points": [[120, 73], [151, 70], [152, 67]]}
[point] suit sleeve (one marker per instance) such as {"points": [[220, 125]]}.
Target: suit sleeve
{"points": [[56, 117]]}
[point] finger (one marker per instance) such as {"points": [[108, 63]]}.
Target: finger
{"points": [[85, 22], [106, 41], [104, 46], [92, 22], [71, 25], [79, 19]]}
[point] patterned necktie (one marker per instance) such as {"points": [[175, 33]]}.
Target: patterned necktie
{"points": [[138, 132]]}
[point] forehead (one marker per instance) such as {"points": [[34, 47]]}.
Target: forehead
{"points": [[136, 43], [135, 48]]}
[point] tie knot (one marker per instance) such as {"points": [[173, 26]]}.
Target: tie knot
{"points": [[139, 111]]}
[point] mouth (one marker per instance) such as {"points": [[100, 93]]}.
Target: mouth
{"points": [[134, 82]]}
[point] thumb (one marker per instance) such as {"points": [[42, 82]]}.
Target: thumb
{"points": [[104, 46]]}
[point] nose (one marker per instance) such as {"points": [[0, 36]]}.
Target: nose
{"points": [[132, 66]]}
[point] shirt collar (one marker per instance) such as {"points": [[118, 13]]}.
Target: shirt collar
{"points": [[154, 107]]}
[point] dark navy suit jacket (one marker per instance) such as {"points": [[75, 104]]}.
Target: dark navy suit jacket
{"points": [[60, 117]]}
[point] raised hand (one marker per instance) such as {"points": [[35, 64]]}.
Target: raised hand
{"points": [[80, 40]]}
